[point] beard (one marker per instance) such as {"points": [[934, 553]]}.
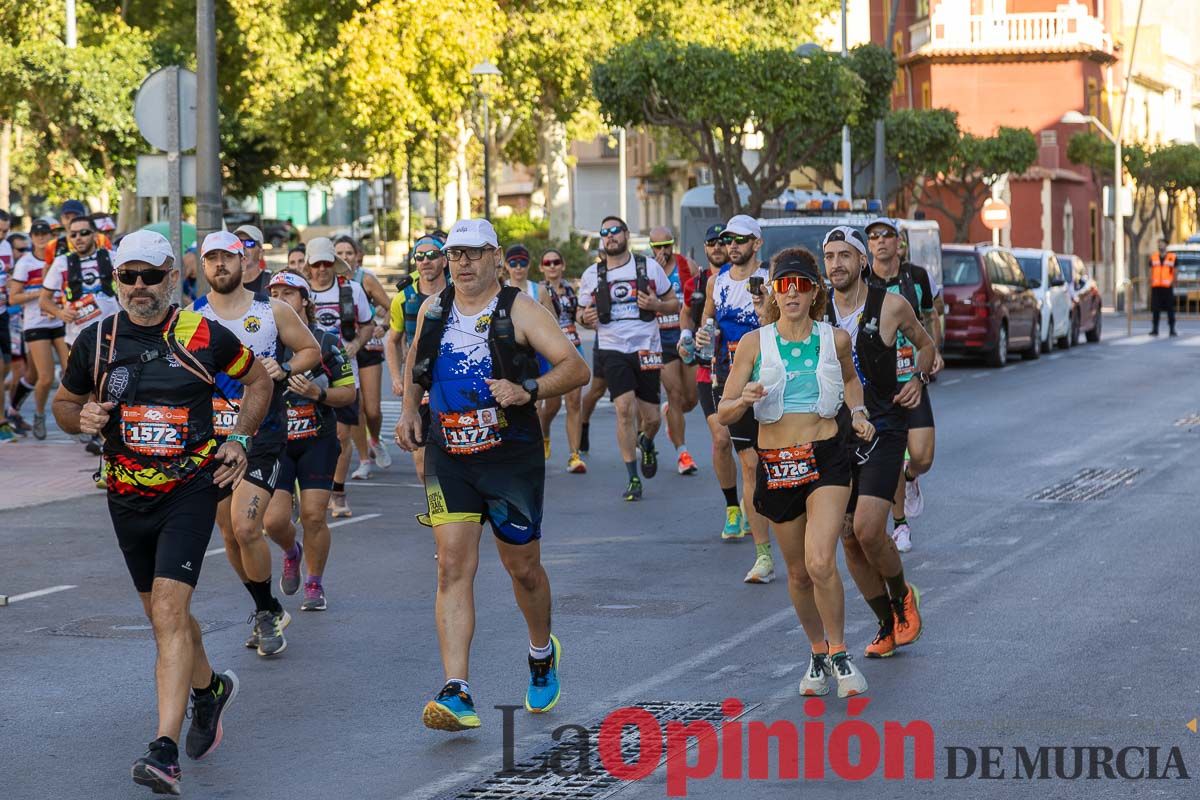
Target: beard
{"points": [[615, 248], [145, 303], [227, 283], [743, 259]]}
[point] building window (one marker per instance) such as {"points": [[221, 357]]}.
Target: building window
{"points": [[1050, 138], [922, 9], [926, 95], [1068, 227]]}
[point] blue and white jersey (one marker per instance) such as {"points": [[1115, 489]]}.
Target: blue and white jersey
{"points": [[735, 316]]}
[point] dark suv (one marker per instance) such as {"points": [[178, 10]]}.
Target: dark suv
{"points": [[990, 308]]}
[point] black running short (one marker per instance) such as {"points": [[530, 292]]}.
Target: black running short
{"points": [[623, 373], [708, 403], [262, 469], [743, 432], [922, 415], [787, 501], [167, 539], [5, 338], [348, 415], [369, 358], [876, 465], [44, 334], [670, 354], [507, 491], [310, 462]]}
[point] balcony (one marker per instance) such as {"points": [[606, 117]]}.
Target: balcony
{"points": [[951, 30]]}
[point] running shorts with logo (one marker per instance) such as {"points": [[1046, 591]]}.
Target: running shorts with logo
{"points": [[507, 492], [631, 372], [787, 476], [167, 540], [876, 464], [44, 334]]}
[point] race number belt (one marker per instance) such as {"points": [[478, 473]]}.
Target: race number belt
{"points": [[302, 422], [650, 360], [668, 321], [906, 363], [470, 432], [86, 309], [154, 430], [225, 417], [789, 467]]}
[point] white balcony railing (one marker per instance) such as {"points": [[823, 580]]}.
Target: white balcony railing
{"points": [[952, 27]]}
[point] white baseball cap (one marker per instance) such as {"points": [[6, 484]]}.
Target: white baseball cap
{"points": [[472, 233], [743, 225], [288, 278], [224, 241], [886, 222], [251, 232], [844, 233], [149, 247], [319, 250]]}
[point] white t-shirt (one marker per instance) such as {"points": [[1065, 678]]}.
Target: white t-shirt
{"points": [[329, 312], [6, 265], [29, 271], [94, 304], [627, 333]]}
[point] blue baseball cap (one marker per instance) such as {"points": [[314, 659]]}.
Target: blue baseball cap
{"points": [[714, 231], [73, 207], [886, 222]]}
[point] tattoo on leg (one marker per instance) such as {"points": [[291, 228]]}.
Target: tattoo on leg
{"points": [[252, 510]]}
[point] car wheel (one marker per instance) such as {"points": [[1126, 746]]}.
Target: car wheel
{"points": [[1048, 344], [1064, 341], [1093, 335], [1076, 324], [999, 356], [1035, 347]]}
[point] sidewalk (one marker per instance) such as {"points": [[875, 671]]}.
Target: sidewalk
{"points": [[34, 472]]}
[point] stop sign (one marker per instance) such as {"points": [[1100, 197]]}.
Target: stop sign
{"points": [[995, 214]]}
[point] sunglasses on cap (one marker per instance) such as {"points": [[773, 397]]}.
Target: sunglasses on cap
{"points": [[150, 277], [886, 233], [730, 238], [427, 255], [612, 231], [785, 284], [552, 262]]}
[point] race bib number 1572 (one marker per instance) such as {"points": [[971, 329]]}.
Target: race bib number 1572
{"points": [[154, 430]]}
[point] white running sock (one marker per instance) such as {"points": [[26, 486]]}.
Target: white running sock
{"points": [[541, 652]]}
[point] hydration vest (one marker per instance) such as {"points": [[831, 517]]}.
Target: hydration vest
{"points": [[346, 309], [74, 284], [604, 299], [874, 360], [170, 345]]}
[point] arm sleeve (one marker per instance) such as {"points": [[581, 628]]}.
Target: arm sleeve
{"points": [[77, 377], [230, 355]]}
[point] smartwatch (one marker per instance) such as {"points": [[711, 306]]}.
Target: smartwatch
{"points": [[241, 439], [531, 385], [287, 370], [923, 378]]}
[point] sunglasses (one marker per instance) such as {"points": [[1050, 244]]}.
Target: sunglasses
{"points": [[716, 241], [150, 277], [552, 262], [249, 243], [731, 239], [428, 255], [788, 282], [518, 263], [469, 253], [613, 231], [886, 233], [661, 245], [81, 234]]}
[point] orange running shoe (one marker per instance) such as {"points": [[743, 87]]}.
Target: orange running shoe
{"points": [[884, 645], [686, 465], [908, 617]]}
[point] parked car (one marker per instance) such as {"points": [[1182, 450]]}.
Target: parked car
{"points": [[1045, 277], [235, 218], [279, 232], [990, 309], [1086, 300]]}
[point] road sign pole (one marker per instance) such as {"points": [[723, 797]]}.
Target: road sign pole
{"points": [[174, 193], [208, 140]]}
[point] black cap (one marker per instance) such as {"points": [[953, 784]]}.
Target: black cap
{"points": [[796, 264], [40, 227], [517, 251]]}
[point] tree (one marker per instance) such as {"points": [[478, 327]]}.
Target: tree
{"points": [[1172, 170], [713, 97], [920, 143]]}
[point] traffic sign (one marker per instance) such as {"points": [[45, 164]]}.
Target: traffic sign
{"points": [[152, 108], [995, 214], [154, 178]]}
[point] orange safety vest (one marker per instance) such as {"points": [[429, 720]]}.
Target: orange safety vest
{"points": [[1162, 272]]}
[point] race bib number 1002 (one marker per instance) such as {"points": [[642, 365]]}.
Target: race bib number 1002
{"points": [[154, 430]]}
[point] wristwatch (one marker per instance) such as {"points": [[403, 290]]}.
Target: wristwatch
{"points": [[287, 370], [531, 385], [241, 439], [923, 378]]}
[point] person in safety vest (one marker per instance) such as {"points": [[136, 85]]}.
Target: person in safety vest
{"points": [[1162, 286]]}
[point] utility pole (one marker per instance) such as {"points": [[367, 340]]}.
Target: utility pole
{"points": [[208, 139], [622, 199], [880, 128], [847, 174], [1119, 267]]}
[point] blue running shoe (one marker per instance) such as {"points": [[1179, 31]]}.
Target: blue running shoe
{"points": [[733, 524], [452, 710], [544, 687]]}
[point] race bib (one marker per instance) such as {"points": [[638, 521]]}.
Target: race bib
{"points": [[906, 362], [650, 360], [302, 422], [470, 432], [732, 348], [668, 321], [86, 309], [571, 333], [789, 467], [225, 417], [154, 430]]}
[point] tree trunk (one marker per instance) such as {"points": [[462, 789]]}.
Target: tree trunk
{"points": [[402, 205], [558, 181], [462, 171]]}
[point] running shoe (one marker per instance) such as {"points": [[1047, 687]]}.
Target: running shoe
{"points": [[745, 518], [338, 506], [849, 680], [19, 425], [914, 501], [379, 452], [289, 581], [207, 709], [544, 688], [649, 456], [763, 570], [908, 617], [39, 426], [634, 490], [884, 643], [902, 536], [363, 472], [685, 464], [576, 465], [314, 597], [546, 449], [7, 434], [93, 446], [815, 682], [159, 768], [733, 524], [269, 626], [452, 710]]}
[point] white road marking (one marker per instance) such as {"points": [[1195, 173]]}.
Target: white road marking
{"points": [[1191, 341], [1127, 341], [1009, 368], [1001, 541], [1054, 356], [363, 518], [16, 598], [950, 382], [208, 553], [978, 375]]}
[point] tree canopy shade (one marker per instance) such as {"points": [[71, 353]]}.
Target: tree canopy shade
{"points": [[713, 97], [920, 142]]}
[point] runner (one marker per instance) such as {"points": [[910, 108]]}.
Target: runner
{"points": [[563, 302], [150, 369], [344, 311], [266, 327], [11, 247], [43, 334], [733, 299], [431, 280], [516, 264], [678, 378], [875, 320], [308, 459], [61, 245], [912, 283], [295, 259], [256, 273], [621, 297], [371, 451], [11, 320], [793, 374], [475, 354]]}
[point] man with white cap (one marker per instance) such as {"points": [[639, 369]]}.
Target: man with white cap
{"points": [[266, 327], [256, 273], [476, 353], [733, 301], [342, 308], [150, 369]]}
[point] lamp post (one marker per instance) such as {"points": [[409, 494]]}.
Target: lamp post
{"points": [[481, 71]]}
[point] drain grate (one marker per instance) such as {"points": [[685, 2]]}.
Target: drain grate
{"points": [[114, 627], [532, 780], [1088, 484]]}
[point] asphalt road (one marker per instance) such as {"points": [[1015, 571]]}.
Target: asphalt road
{"points": [[1049, 623]]}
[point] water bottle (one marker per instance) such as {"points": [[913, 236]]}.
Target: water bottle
{"points": [[704, 353], [434, 312], [688, 340]]}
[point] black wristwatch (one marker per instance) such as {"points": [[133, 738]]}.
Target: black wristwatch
{"points": [[287, 370], [923, 378], [531, 385]]}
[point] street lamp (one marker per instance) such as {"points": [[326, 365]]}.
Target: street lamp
{"points": [[481, 71]]}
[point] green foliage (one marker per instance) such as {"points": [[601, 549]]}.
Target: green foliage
{"points": [[1093, 151], [520, 229], [920, 142]]}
